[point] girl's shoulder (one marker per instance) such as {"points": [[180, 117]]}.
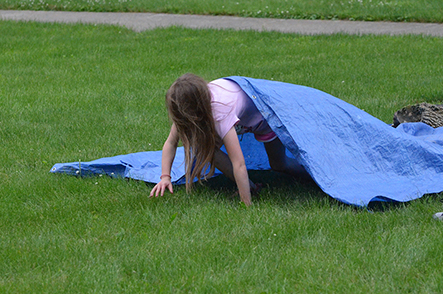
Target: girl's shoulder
{"points": [[223, 97], [224, 91], [223, 102], [225, 87]]}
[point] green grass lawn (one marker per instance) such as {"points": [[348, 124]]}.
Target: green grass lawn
{"points": [[389, 10], [77, 92]]}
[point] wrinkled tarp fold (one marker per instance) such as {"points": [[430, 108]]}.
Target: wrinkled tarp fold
{"points": [[352, 156]]}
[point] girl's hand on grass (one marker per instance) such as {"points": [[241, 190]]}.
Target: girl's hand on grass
{"points": [[255, 190], [160, 188]]}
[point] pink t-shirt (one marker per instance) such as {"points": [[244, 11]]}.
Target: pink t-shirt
{"points": [[232, 107]]}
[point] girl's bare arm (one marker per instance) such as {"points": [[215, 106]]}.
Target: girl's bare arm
{"points": [[168, 155], [239, 170]]}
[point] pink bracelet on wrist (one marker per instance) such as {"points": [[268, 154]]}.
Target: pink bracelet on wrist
{"points": [[165, 175]]}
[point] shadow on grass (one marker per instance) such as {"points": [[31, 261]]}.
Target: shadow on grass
{"points": [[381, 206], [278, 189]]}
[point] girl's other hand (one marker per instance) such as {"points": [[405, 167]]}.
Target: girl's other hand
{"points": [[256, 189]]}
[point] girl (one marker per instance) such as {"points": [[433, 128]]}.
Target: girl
{"points": [[207, 116]]}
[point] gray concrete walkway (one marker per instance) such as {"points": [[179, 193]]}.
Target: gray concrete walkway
{"points": [[145, 21]]}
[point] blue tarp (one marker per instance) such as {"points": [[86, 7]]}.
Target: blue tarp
{"points": [[351, 155]]}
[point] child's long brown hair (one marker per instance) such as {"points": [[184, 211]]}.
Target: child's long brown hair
{"points": [[189, 105]]}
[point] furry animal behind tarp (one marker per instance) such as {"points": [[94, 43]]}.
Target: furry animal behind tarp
{"points": [[429, 114]]}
